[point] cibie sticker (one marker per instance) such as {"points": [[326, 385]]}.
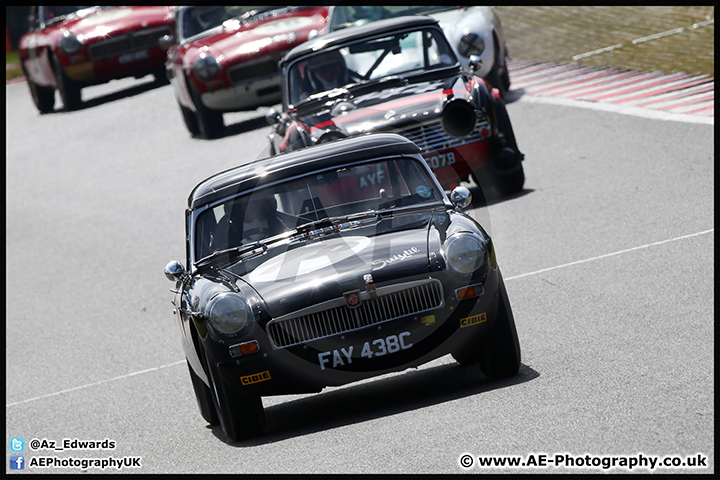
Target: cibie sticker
{"points": [[424, 191], [258, 377], [474, 320]]}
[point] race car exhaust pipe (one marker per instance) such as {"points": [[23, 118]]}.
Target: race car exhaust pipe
{"points": [[458, 118]]}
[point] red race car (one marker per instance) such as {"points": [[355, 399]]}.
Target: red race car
{"points": [[68, 48], [224, 59]]}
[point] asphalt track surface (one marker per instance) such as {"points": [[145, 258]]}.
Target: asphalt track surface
{"points": [[608, 256]]}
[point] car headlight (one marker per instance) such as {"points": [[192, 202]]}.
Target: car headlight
{"points": [[206, 66], [228, 312], [471, 44], [465, 253], [70, 43]]}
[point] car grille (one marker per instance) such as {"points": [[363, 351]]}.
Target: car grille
{"points": [[243, 73], [334, 317], [431, 137], [127, 42]]}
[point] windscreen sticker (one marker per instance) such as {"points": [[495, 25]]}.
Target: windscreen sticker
{"points": [[424, 191]]}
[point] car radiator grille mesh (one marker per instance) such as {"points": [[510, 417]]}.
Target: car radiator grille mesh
{"points": [[390, 304], [431, 137], [244, 73], [126, 43]]}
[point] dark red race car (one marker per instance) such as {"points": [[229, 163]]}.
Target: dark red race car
{"points": [[399, 75], [223, 59], [68, 48]]}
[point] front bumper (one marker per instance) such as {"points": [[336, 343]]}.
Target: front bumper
{"points": [[245, 96], [374, 350]]}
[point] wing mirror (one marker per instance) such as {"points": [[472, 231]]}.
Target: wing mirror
{"points": [[166, 42], [272, 116], [174, 271], [474, 64], [461, 197]]}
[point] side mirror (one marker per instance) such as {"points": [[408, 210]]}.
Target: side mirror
{"points": [[166, 42], [474, 64], [272, 117], [461, 197], [174, 271]]}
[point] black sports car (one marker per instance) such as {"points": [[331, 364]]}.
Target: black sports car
{"points": [[328, 265], [399, 75]]}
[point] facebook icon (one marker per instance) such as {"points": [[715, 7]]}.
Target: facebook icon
{"points": [[17, 462]]}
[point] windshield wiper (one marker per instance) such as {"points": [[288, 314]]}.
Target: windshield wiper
{"points": [[331, 225]]}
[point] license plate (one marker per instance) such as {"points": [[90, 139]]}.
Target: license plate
{"points": [[373, 348], [134, 57], [441, 160]]}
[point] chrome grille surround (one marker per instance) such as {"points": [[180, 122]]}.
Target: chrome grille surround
{"points": [[431, 137], [128, 42], [251, 71], [334, 317]]}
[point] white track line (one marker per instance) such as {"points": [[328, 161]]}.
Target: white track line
{"points": [[644, 39], [121, 377], [94, 384], [610, 254]]}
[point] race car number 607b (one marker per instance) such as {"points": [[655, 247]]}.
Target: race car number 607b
{"points": [[441, 160], [375, 348]]}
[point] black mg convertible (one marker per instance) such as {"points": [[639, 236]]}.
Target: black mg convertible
{"points": [[328, 265]]}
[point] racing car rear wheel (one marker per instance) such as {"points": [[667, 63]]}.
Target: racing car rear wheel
{"points": [[69, 89], [210, 122], [204, 397], [241, 416], [499, 352]]}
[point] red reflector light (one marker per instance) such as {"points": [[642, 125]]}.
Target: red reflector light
{"points": [[249, 347], [467, 292]]}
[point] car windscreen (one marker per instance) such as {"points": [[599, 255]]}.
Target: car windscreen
{"points": [[374, 186], [197, 19], [396, 54], [344, 16], [52, 13]]}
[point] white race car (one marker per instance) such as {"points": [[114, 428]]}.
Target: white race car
{"points": [[470, 30]]}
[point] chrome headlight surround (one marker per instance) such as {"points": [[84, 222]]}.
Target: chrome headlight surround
{"points": [[465, 253], [471, 44], [228, 312], [206, 66], [70, 43]]}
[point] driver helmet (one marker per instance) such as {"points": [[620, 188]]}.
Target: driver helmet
{"points": [[210, 17], [327, 71]]}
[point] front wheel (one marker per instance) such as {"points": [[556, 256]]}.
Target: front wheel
{"points": [[210, 122], [241, 416], [190, 120], [43, 97], [68, 88], [508, 172], [499, 352], [204, 397]]}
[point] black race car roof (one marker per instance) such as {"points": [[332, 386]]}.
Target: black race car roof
{"points": [[299, 162], [355, 33]]}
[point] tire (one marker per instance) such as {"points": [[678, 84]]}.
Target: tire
{"points": [[240, 416], [43, 97], [69, 89], [509, 175], [499, 352], [190, 120], [495, 76], [204, 397], [210, 122], [161, 77]]}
